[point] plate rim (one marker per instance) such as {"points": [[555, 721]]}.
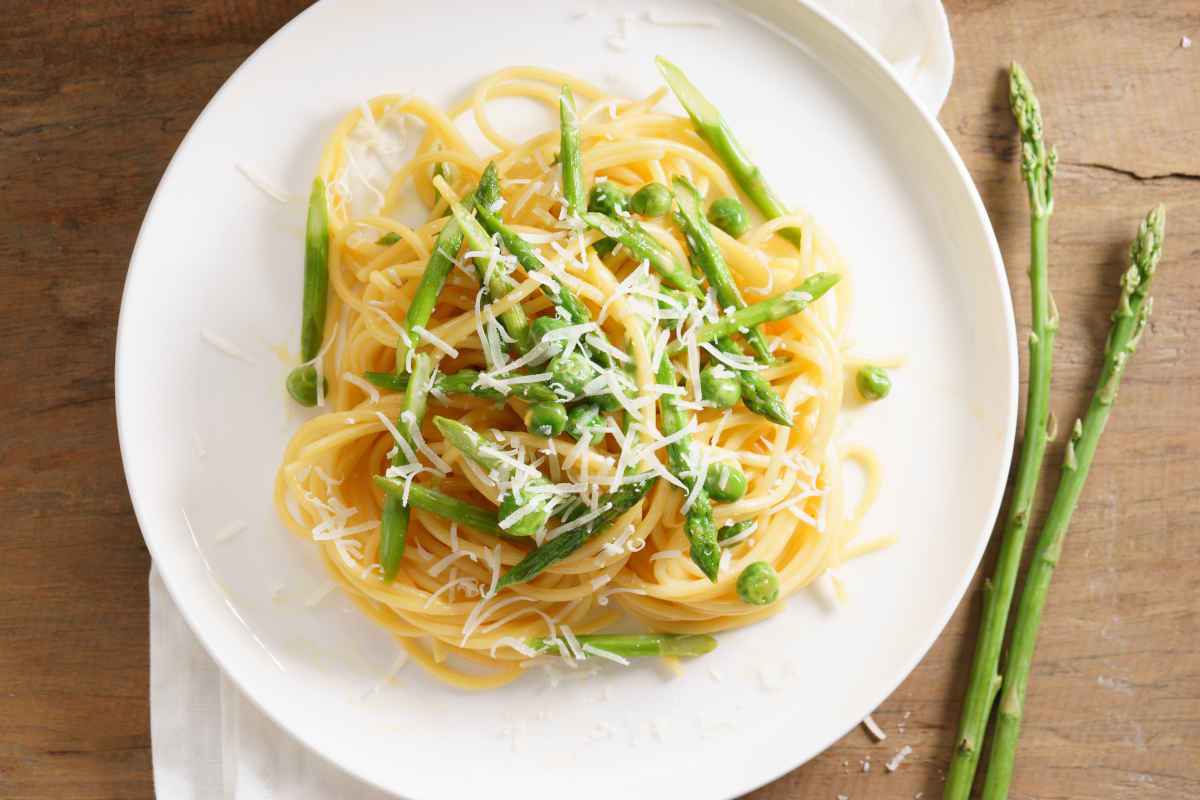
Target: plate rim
{"points": [[831, 25]]}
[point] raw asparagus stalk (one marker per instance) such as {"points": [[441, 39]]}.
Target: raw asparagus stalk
{"points": [[645, 247], [780, 307], [465, 381], [441, 261], [535, 505], [393, 525], [1129, 321], [572, 166], [435, 502], [614, 503], [302, 381], [491, 276], [698, 526], [713, 130], [636, 645], [707, 255], [1037, 169]]}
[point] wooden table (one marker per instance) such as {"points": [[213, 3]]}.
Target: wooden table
{"points": [[95, 98]]}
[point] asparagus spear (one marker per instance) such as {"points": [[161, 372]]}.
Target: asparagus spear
{"points": [[779, 307], [1129, 321], [1037, 169], [757, 393], [435, 502], [713, 129], [572, 167], [635, 645], [393, 525], [465, 381], [536, 505], [559, 293], [614, 503], [496, 281], [698, 526], [302, 381], [707, 255], [441, 261], [645, 247]]}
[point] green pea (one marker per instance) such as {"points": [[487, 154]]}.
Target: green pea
{"points": [[729, 215], [652, 200], [302, 385], [572, 371], [542, 326], [732, 529], [585, 420], [725, 483], [532, 522], [873, 383], [608, 198], [546, 419], [720, 386], [758, 584]]}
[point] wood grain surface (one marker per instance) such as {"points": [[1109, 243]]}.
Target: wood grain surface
{"points": [[95, 97]]}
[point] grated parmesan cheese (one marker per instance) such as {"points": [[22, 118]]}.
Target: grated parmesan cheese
{"points": [[655, 16], [225, 346], [367, 388], [898, 759], [231, 530], [873, 728], [262, 183], [441, 344]]}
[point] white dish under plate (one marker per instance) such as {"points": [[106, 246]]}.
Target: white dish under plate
{"points": [[202, 432]]}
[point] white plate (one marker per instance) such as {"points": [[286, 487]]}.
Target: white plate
{"points": [[834, 131]]}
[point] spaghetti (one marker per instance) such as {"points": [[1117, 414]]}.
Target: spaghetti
{"points": [[441, 605]]}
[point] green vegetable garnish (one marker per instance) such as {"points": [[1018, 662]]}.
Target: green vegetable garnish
{"points": [[546, 419], [652, 200], [758, 584], [302, 381], [873, 383], [725, 483], [729, 215]]}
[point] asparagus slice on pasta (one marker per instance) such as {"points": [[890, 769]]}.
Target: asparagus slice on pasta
{"points": [[638, 241], [612, 506], [568, 154], [781, 306], [707, 255], [713, 129], [441, 261], [302, 381], [393, 524], [523, 509], [571, 307], [492, 275], [632, 645], [466, 381], [442, 504], [757, 394], [698, 526]]}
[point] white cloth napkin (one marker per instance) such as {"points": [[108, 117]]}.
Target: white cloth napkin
{"points": [[209, 741]]}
